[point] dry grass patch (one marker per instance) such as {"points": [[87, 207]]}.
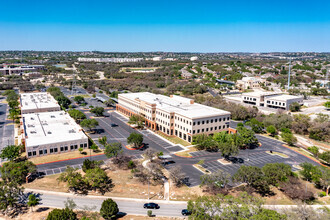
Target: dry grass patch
{"points": [[185, 193], [48, 183], [63, 156], [136, 217]]}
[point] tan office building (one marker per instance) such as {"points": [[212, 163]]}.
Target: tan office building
{"points": [[38, 102], [175, 115]]}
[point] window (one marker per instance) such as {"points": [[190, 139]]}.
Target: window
{"points": [[227, 126], [207, 129], [219, 127], [228, 118], [216, 120], [203, 130], [29, 154], [75, 146], [81, 145], [85, 145], [34, 153], [62, 148], [197, 131], [203, 122], [207, 121], [55, 150], [211, 128], [211, 120], [41, 152], [224, 127], [215, 128], [45, 151], [194, 131], [194, 123], [199, 123], [71, 147], [66, 148], [51, 150], [219, 119]]}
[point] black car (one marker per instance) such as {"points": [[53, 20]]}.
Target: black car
{"points": [[185, 212], [114, 125], [151, 205]]}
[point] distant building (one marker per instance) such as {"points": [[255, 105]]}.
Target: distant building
{"points": [[51, 133], [109, 60], [156, 58], [193, 58], [249, 83], [38, 102], [271, 99], [186, 74], [8, 70], [174, 115]]}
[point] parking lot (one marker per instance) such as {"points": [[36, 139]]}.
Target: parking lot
{"points": [[6, 126]]}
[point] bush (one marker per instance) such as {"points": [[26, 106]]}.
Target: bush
{"points": [[58, 214], [109, 209], [322, 194], [149, 212], [295, 107]]}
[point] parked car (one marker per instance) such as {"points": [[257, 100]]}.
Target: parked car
{"points": [[151, 205], [185, 212], [114, 125]]}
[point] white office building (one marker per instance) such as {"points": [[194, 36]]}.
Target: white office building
{"points": [[51, 133], [109, 60], [38, 102], [174, 115], [8, 70], [271, 99]]}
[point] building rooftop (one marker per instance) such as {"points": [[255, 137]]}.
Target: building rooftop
{"points": [[37, 100], [177, 104], [260, 93], [283, 97], [50, 127]]}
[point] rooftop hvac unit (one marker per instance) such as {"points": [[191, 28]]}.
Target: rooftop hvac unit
{"points": [[72, 131], [33, 132], [32, 118], [49, 132], [52, 116]]}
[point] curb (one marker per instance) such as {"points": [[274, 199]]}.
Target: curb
{"points": [[305, 156], [128, 148]]}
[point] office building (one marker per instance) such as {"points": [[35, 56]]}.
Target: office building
{"points": [[8, 70], [174, 115], [48, 133], [249, 83], [38, 102], [109, 60]]}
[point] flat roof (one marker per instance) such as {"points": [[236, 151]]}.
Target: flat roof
{"points": [[177, 104], [37, 100], [283, 97], [259, 94], [50, 127]]}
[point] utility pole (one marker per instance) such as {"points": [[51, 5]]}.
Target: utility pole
{"points": [[289, 74]]}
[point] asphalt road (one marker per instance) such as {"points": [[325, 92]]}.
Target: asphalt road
{"points": [[6, 126], [252, 157], [126, 206]]}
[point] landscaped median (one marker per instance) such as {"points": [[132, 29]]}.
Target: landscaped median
{"points": [[278, 154], [130, 147], [186, 153]]}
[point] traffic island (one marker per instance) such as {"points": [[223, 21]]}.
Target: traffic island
{"points": [[202, 169], [278, 154], [223, 161], [130, 147]]}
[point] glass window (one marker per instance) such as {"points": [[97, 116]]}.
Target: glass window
{"points": [[55, 150], [45, 151], [207, 129], [203, 130], [65, 148], [207, 121], [215, 120], [62, 148], [203, 122], [34, 153], [29, 154], [211, 120], [41, 152], [194, 123], [51, 150]]}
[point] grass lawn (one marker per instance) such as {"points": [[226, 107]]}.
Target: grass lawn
{"points": [[62, 156], [187, 152], [174, 140]]}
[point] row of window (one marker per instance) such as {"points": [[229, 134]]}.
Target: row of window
{"points": [[211, 129], [251, 99], [211, 121], [276, 103], [55, 150]]}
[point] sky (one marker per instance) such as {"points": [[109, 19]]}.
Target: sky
{"points": [[168, 25]]}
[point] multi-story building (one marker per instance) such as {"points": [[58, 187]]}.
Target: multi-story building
{"points": [[174, 115], [271, 99], [38, 102], [109, 60], [51, 133], [249, 83], [7, 70]]}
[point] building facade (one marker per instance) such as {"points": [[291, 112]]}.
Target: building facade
{"points": [[7, 70], [174, 115], [249, 83]]}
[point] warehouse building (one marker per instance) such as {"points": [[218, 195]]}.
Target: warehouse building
{"points": [[51, 133], [271, 99], [38, 102], [174, 115]]}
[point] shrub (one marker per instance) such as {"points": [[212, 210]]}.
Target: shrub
{"points": [[149, 212], [109, 209], [322, 194], [131, 164], [66, 214]]}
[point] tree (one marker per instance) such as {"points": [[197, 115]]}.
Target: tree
{"points": [[295, 107], [97, 179], [137, 120], [79, 99], [253, 177], [204, 142], [325, 156], [314, 150], [17, 171], [310, 172], [268, 214], [149, 154], [89, 123], [103, 140], [81, 150], [215, 182], [33, 201], [135, 139], [112, 149], [256, 125], [272, 130], [109, 102], [177, 176], [11, 152], [74, 179], [10, 195], [301, 123], [63, 101], [247, 137], [278, 120], [289, 138], [327, 104], [320, 131], [58, 214], [277, 173], [90, 164], [13, 104], [94, 147], [98, 111], [76, 115], [109, 209]]}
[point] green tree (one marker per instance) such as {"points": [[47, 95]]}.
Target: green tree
{"points": [[268, 214], [17, 171], [247, 137], [289, 138], [272, 130], [89, 123], [255, 125], [98, 111], [79, 99], [277, 173], [94, 147], [97, 179], [327, 104], [314, 150], [112, 149], [77, 115], [135, 139], [63, 101], [310, 172], [325, 156], [10, 196], [109, 209], [204, 142], [33, 201], [295, 107], [13, 104], [90, 164], [215, 181], [137, 120], [59, 214], [103, 141], [11, 152], [74, 180]]}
